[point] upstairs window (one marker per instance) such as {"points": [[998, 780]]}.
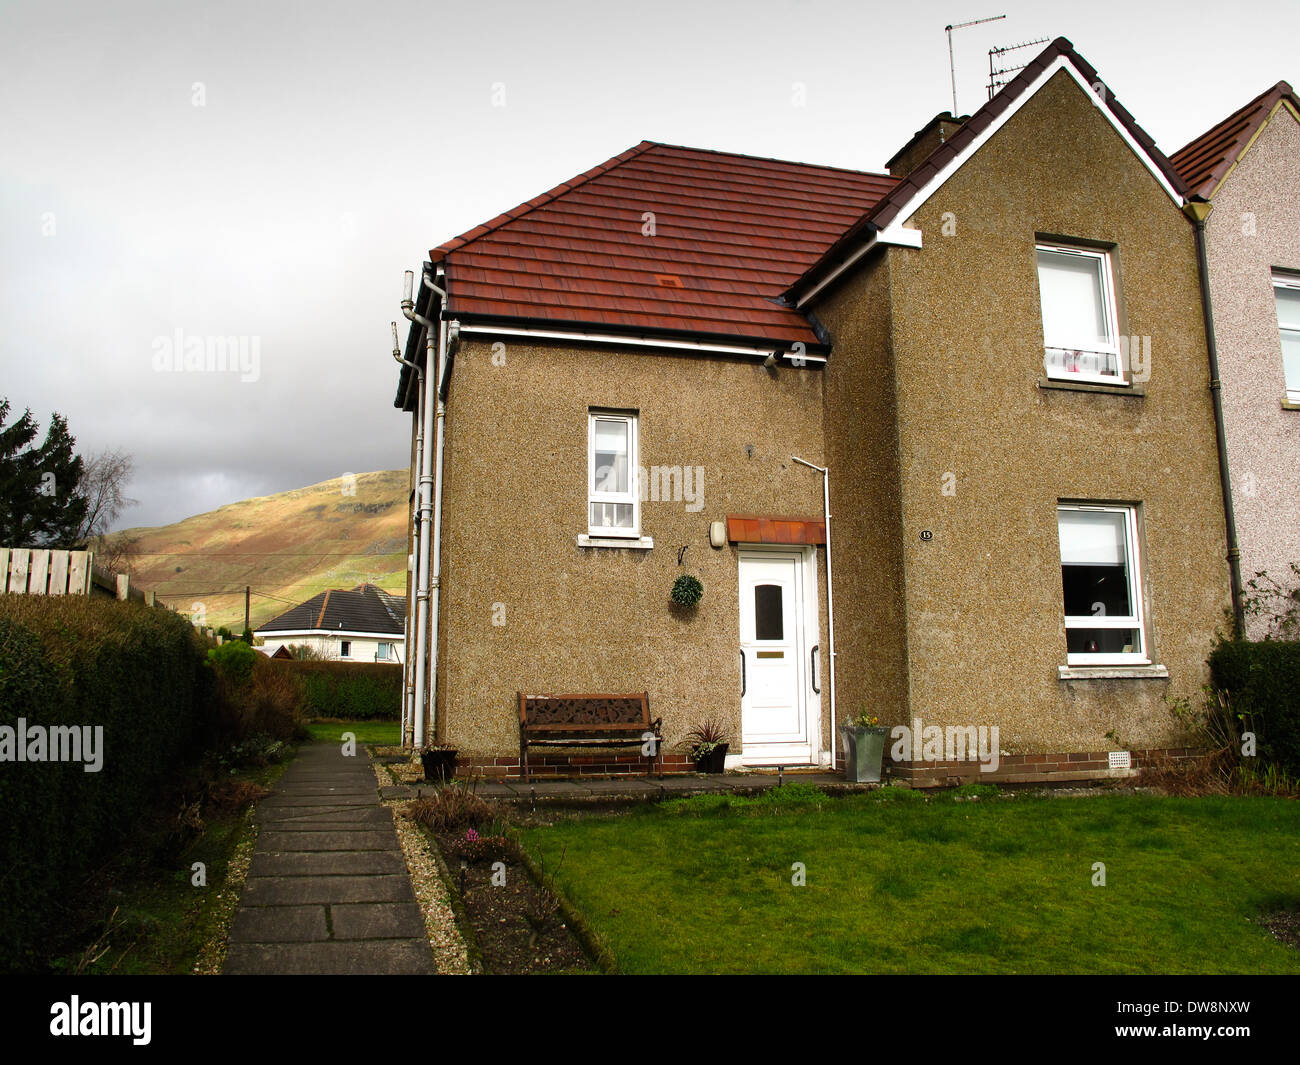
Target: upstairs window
{"points": [[1102, 585], [1286, 292], [1076, 288], [612, 500]]}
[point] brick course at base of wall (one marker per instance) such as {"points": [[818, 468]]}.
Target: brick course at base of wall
{"points": [[1031, 768], [549, 766]]}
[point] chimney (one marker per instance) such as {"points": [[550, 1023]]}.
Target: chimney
{"points": [[923, 142]]}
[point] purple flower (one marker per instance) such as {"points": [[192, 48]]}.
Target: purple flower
{"points": [[471, 835]]}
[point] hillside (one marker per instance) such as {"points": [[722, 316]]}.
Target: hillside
{"points": [[287, 547]]}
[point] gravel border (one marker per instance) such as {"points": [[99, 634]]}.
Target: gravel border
{"points": [[449, 950], [212, 958]]}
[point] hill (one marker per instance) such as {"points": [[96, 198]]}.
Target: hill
{"points": [[287, 547]]}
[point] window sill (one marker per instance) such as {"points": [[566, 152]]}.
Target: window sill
{"points": [[1290, 404], [1090, 386], [1147, 672], [635, 543]]}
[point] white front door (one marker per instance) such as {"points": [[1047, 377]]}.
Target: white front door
{"points": [[776, 722]]}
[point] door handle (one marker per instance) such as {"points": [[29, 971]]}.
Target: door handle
{"points": [[816, 677], [742, 673]]}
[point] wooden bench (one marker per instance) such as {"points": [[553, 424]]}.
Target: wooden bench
{"points": [[586, 721]]}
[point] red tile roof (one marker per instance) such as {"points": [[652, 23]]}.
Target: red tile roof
{"points": [[892, 204], [1205, 162], [731, 233]]}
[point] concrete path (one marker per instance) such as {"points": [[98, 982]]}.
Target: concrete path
{"points": [[327, 890]]}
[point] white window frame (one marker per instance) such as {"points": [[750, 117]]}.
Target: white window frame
{"points": [[1110, 311], [345, 648], [1137, 621], [633, 495], [1290, 282]]}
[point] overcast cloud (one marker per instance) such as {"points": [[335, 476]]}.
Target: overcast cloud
{"points": [[268, 170]]}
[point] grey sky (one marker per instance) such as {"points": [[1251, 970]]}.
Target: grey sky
{"points": [[337, 142]]}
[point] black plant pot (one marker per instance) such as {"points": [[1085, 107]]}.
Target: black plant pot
{"points": [[439, 765], [713, 762]]}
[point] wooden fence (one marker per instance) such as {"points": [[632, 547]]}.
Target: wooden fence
{"points": [[35, 571]]}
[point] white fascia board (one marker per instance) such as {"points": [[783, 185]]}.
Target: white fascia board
{"points": [[279, 634], [892, 231], [636, 341], [903, 238]]}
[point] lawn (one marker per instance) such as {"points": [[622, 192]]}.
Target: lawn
{"points": [[381, 733], [902, 882]]}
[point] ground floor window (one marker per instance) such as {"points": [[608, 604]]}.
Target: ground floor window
{"points": [[1101, 582], [345, 648]]}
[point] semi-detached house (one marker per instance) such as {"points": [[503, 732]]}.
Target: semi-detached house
{"points": [[996, 350]]}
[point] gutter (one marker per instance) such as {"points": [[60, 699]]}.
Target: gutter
{"points": [[1198, 211], [408, 678]]}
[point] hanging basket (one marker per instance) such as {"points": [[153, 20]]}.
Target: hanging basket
{"points": [[687, 591]]}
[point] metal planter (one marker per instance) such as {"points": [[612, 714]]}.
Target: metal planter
{"points": [[864, 752]]}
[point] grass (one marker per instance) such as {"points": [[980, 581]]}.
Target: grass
{"points": [[150, 918], [382, 733], [901, 882]]}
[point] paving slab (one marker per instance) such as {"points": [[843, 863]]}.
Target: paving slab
{"points": [[384, 957], [326, 863], [361, 816], [306, 890], [279, 924], [377, 920], [330, 840]]}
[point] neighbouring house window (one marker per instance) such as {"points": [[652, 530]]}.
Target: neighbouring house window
{"points": [[1101, 580], [382, 653], [1080, 332], [1286, 291], [612, 501], [345, 648]]}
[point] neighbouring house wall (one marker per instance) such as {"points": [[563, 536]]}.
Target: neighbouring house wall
{"points": [[985, 631], [1253, 228], [363, 648], [866, 534], [586, 620]]}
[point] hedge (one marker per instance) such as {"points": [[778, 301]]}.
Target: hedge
{"points": [[1263, 679], [138, 672], [353, 691]]}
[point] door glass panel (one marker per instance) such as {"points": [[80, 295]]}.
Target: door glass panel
{"points": [[769, 617]]}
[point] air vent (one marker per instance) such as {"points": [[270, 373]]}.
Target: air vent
{"points": [[1121, 760], [669, 281]]}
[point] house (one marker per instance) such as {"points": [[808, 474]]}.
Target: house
{"points": [[1245, 173], [364, 624], [991, 362]]}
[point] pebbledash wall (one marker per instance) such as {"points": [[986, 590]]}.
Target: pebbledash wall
{"points": [[958, 388], [1254, 229], [525, 608]]}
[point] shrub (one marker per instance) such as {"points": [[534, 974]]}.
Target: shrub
{"points": [[133, 670], [256, 697], [1263, 680], [351, 691], [453, 808]]}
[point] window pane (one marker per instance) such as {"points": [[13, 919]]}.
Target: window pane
{"points": [[1101, 641], [1091, 537], [1291, 358], [1095, 564], [612, 473], [769, 618], [1072, 293], [1288, 307], [611, 516], [1070, 360]]}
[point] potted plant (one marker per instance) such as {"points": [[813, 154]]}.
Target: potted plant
{"points": [[863, 738], [687, 591], [439, 762], [708, 745]]}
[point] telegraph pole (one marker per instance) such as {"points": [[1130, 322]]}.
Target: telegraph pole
{"points": [[248, 591]]}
